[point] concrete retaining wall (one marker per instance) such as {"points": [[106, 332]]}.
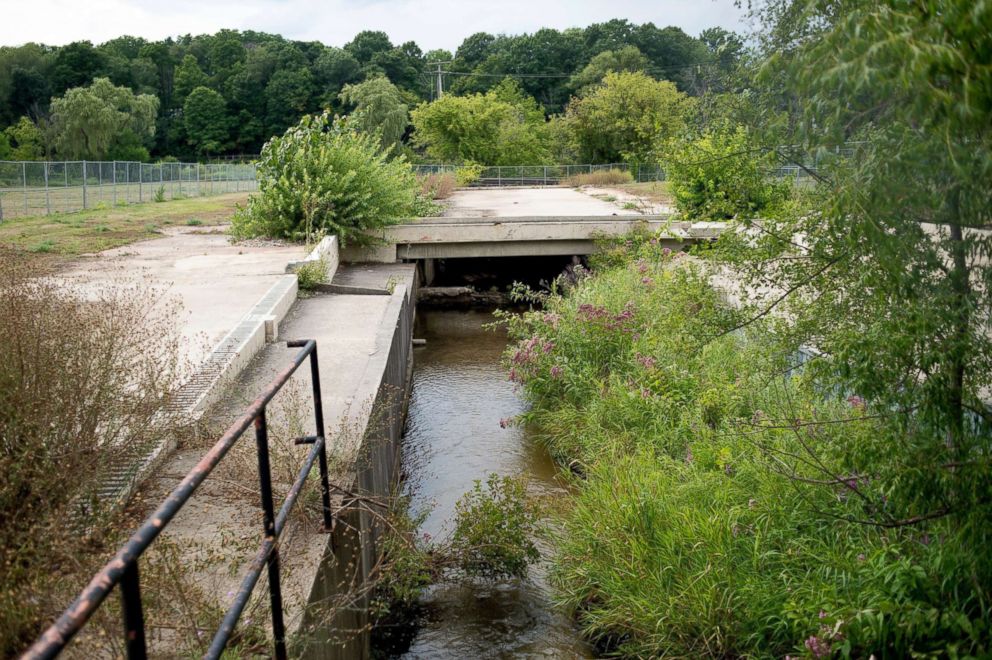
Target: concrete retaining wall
{"points": [[336, 623]]}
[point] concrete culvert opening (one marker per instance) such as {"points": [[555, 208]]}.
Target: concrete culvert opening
{"points": [[488, 280]]}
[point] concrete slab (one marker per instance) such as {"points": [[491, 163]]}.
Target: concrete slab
{"points": [[222, 520], [216, 282], [515, 202]]}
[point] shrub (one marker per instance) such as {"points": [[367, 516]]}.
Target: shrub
{"points": [[311, 273], [82, 389], [324, 176], [468, 174], [493, 530], [611, 177], [720, 176]]}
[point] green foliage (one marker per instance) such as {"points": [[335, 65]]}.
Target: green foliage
{"points": [[311, 273], [500, 127], [713, 513], [207, 123], [325, 176], [892, 275], [159, 195], [380, 107], [268, 81], [188, 77], [628, 58], [494, 528], [468, 174], [722, 175], [625, 117], [88, 121], [26, 140]]}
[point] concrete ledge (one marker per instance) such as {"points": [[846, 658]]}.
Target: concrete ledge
{"points": [[327, 250]]}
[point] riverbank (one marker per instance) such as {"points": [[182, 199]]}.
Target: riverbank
{"points": [[726, 503]]}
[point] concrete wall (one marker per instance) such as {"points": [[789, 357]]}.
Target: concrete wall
{"points": [[336, 624]]}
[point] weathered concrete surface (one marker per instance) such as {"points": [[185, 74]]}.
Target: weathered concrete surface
{"points": [[216, 282], [515, 202], [364, 355], [622, 197]]}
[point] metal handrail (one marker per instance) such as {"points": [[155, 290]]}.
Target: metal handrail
{"points": [[123, 568]]}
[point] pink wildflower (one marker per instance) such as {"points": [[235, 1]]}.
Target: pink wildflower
{"points": [[556, 372]]}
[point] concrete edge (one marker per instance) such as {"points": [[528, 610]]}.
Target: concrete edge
{"points": [[328, 249]]}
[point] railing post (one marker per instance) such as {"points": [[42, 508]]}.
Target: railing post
{"points": [[114, 179], [141, 180], [24, 184], [84, 185], [269, 521], [134, 618], [318, 414]]}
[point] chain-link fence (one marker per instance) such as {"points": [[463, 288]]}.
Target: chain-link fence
{"points": [[41, 187], [543, 175]]}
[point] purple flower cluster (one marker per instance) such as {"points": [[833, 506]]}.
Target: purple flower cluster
{"points": [[646, 361]]}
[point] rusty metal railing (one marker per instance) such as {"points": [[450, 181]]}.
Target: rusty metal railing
{"points": [[122, 570]]}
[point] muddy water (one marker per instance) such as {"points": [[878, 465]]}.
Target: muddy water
{"points": [[453, 437]]}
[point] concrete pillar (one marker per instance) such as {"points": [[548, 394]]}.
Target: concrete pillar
{"points": [[428, 271]]}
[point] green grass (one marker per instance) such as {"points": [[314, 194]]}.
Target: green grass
{"points": [[86, 232]]}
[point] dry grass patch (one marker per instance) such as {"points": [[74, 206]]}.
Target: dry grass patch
{"points": [[653, 191], [599, 178]]}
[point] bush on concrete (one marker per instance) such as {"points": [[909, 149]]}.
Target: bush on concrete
{"points": [[326, 177]]}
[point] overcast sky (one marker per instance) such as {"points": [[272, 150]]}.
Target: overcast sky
{"points": [[432, 24]]}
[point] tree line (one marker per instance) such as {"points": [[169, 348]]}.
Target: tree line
{"points": [[227, 93]]}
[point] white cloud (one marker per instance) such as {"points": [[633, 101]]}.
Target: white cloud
{"points": [[434, 24]]}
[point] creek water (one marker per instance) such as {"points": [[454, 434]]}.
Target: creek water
{"points": [[453, 437]]}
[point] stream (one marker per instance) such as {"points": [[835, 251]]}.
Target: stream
{"points": [[453, 437]]}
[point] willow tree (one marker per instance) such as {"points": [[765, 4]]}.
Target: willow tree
{"points": [[886, 266], [380, 108], [89, 122]]}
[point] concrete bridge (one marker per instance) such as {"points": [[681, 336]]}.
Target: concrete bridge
{"points": [[528, 222], [522, 236]]}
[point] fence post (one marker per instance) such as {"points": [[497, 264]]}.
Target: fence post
{"points": [[84, 185], [141, 180], [65, 189], [48, 199], [198, 192], [180, 166], [24, 185], [127, 183], [113, 176]]}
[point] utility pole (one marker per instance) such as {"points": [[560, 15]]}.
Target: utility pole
{"points": [[440, 78]]}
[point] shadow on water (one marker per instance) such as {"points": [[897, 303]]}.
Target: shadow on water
{"points": [[453, 437]]}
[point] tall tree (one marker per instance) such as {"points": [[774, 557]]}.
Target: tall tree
{"points": [[380, 107], [88, 121], [206, 120], [76, 64], [626, 118]]}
